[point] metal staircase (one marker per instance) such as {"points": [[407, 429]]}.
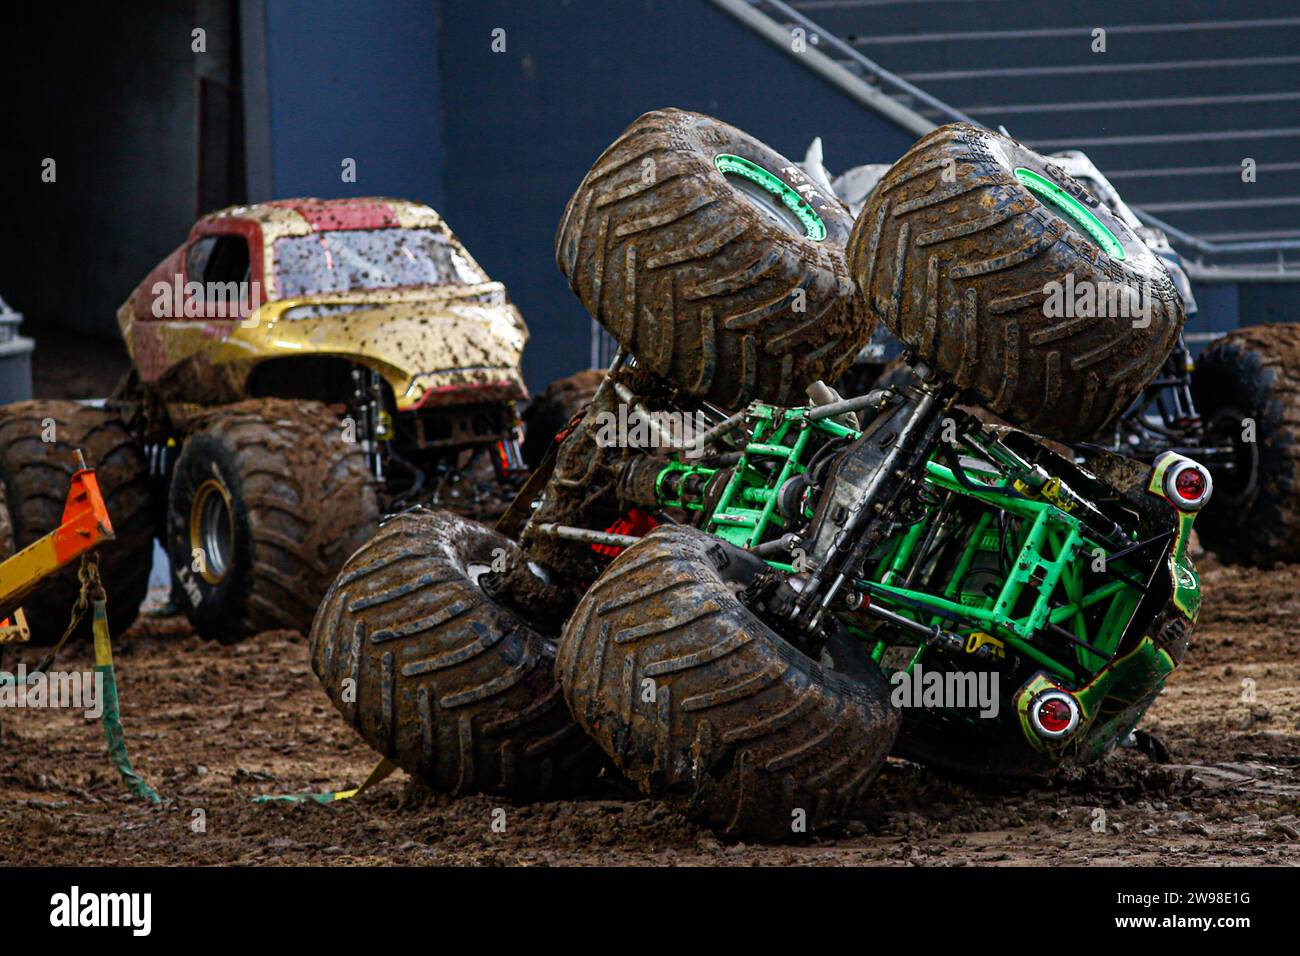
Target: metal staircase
{"points": [[1184, 92]]}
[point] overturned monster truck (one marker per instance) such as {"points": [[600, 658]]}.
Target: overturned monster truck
{"points": [[299, 368], [724, 573], [1236, 408]]}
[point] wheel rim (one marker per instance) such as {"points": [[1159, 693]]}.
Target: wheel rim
{"points": [[212, 530], [1072, 211], [771, 196]]}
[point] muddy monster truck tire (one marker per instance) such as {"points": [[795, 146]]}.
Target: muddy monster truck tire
{"points": [[35, 475], [1253, 373], [449, 684], [713, 260], [550, 412], [276, 500], [736, 720], [956, 251], [6, 526]]}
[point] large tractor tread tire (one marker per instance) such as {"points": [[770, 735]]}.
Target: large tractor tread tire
{"points": [[436, 675], [694, 697], [957, 257], [299, 499], [1253, 373], [37, 475], [709, 279], [550, 412]]}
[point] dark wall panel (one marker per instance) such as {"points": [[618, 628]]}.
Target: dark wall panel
{"points": [[522, 127], [353, 80], [112, 100]]}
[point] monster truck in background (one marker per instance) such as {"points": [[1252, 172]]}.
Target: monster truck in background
{"points": [[1236, 408], [299, 367], [721, 611]]}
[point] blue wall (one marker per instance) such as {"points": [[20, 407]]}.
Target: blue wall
{"points": [[1224, 306], [352, 80], [521, 128], [497, 141], [400, 84]]}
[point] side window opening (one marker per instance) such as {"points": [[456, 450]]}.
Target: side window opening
{"points": [[218, 259], [229, 260]]}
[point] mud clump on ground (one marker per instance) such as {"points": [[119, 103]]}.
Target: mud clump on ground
{"points": [[211, 727]]}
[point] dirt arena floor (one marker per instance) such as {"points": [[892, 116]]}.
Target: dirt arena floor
{"points": [[212, 727]]}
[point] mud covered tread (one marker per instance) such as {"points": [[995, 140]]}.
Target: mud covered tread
{"points": [[450, 685], [687, 275], [739, 723], [37, 475], [304, 500], [1255, 371], [954, 255]]}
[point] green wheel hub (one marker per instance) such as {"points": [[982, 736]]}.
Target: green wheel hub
{"points": [[789, 207], [1074, 211]]}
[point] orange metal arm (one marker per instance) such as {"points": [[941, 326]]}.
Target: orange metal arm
{"points": [[85, 525]]}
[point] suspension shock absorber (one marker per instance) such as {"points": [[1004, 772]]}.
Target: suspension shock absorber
{"points": [[1034, 481], [372, 419], [1180, 365], [917, 423]]}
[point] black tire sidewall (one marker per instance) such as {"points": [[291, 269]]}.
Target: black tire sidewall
{"points": [[124, 562], [474, 544], [1233, 381], [217, 610], [1231, 377]]}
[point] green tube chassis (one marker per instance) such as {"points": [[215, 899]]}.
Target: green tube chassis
{"points": [[1060, 574]]}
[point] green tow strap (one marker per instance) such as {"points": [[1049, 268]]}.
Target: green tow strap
{"points": [[111, 717], [110, 714], [117, 739], [112, 720], [382, 770]]}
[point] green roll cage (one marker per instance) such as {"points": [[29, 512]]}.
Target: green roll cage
{"points": [[1056, 592]]}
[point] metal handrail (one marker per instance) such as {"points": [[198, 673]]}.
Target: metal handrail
{"points": [[782, 17], [1213, 248], [848, 51]]}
